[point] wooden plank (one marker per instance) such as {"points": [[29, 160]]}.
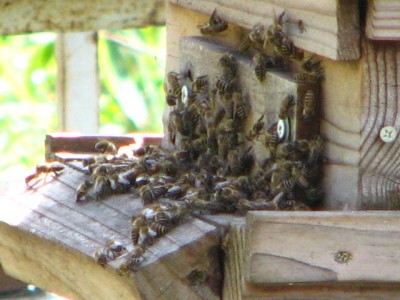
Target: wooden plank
{"points": [[304, 247], [245, 242], [77, 81], [48, 239], [383, 20], [68, 145], [332, 28], [379, 164], [24, 16]]}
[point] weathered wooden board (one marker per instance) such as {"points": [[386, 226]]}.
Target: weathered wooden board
{"points": [[65, 145], [303, 247], [23, 16], [203, 54], [48, 239], [383, 20], [331, 26], [257, 240], [379, 161]]}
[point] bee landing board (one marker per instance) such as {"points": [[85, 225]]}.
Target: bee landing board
{"points": [[201, 55]]}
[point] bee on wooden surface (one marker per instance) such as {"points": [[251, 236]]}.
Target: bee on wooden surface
{"points": [[214, 25], [201, 83], [195, 203], [286, 107], [239, 106], [271, 139], [132, 261], [171, 98], [226, 84], [106, 147], [254, 39], [137, 223], [312, 69], [245, 205], [151, 194], [44, 169], [101, 186], [228, 64], [262, 62], [300, 25], [257, 128], [343, 257], [309, 105], [174, 81], [83, 190], [111, 251]]}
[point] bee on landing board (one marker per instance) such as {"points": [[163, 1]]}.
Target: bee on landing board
{"points": [[56, 168]]}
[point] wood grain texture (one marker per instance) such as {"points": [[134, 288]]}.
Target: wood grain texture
{"points": [[48, 239], [383, 20], [332, 28], [379, 163], [23, 16], [341, 111]]}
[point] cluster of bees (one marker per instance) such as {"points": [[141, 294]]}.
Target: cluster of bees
{"points": [[213, 168]]}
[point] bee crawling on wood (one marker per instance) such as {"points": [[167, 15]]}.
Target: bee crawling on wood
{"points": [[44, 169], [132, 261], [255, 39], [343, 257], [106, 147], [286, 107], [309, 105], [214, 25], [111, 251]]}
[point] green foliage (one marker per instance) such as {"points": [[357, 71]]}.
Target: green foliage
{"points": [[131, 66], [132, 75]]}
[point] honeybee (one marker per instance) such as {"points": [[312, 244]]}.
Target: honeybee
{"points": [[132, 261], [245, 205], [309, 105], [286, 106], [83, 190], [151, 194], [44, 169], [343, 257], [214, 25], [254, 39], [111, 251], [257, 128], [239, 106], [312, 69], [137, 223], [106, 147], [200, 85], [262, 62], [228, 64], [300, 25]]}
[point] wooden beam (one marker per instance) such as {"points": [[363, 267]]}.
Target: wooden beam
{"points": [[288, 255], [48, 239], [331, 26], [379, 163], [383, 20], [77, 82], [22, 16]]}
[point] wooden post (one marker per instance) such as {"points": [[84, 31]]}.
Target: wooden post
{"points": [[77, 79]]}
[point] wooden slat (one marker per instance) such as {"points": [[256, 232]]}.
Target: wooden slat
{"points": [[301, 247], [383, 20], [379, 163], [22, 16], [332, 28], [258, 241], [45, 234]]}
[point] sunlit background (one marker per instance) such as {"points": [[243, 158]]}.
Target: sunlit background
{"points": [[131, 70]]}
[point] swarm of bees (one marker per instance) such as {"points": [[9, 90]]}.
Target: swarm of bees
{"points": [[213, 168]]}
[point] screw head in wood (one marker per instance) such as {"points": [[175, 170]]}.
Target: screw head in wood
{"points": [[185, 94], [388, 134], [282, 128]]}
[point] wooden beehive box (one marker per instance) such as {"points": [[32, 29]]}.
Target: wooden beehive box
{"points": [[274, 255]]}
